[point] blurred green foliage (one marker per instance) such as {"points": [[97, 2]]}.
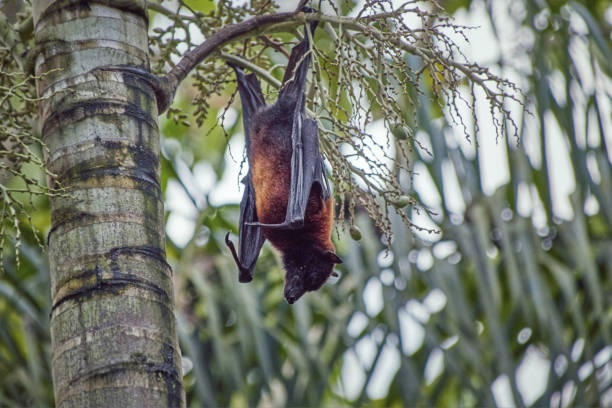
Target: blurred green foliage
{"points": [[455, 319]]}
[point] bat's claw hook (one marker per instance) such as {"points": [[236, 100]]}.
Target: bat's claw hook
{"points": [[245, 274], [296, 223]]}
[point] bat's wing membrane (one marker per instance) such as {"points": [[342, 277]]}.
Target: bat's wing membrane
{"points": [[314, 168], [250, 238], [252, 100], [307, 168]]}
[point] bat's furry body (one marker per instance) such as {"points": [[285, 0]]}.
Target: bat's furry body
{"points": [[287, 198], [304, 247]]}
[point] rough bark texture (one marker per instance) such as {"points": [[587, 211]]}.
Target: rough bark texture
{"points": [[113, 328]]}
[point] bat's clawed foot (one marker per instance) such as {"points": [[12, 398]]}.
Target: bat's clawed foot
{"points": [[245, 275], [307, 9], [296, 223]]}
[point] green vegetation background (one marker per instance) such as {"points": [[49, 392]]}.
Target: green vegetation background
{"points": [[510, 289]]}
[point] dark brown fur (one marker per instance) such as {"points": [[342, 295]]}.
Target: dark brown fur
{"points": [[287, 198], [308, 253]]}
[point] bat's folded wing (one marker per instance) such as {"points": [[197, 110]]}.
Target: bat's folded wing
{"points": [[313, 161], [306, 169], [250, 238]]}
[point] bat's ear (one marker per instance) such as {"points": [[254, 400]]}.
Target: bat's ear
{"points": [[332, 257]]}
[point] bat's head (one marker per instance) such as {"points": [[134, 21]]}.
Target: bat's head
{"points": [[307, 270]]}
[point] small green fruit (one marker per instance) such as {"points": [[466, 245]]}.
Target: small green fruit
{"points": [[402, 202], [355, 232]]}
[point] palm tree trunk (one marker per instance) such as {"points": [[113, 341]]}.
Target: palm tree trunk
{"points": [[113, 329]]}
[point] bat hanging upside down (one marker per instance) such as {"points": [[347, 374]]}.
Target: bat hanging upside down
{"points": [[287, 198]]}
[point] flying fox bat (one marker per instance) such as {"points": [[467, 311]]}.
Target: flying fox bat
{"points": [[287, 199]]}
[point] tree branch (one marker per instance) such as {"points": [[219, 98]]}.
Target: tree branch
{"points": [[165, 86], [233, 32]]}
